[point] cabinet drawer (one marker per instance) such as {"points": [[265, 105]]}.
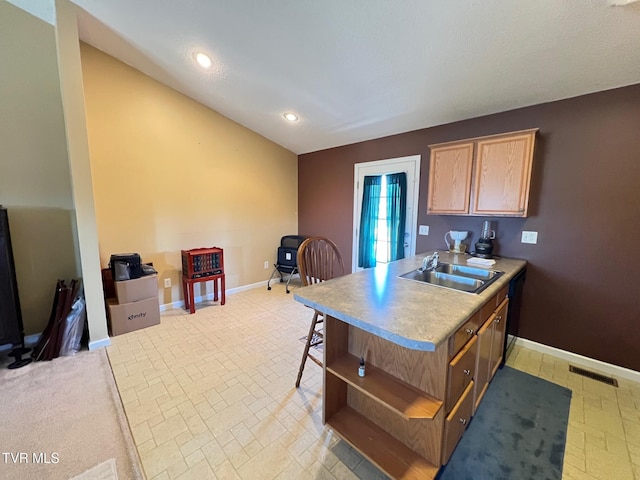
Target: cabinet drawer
{"points": [[461, 371], [487, 310], [463, 335], [456, 423], [502, 294]]}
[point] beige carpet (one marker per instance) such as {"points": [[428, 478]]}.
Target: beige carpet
{"points": [[64, 419]]}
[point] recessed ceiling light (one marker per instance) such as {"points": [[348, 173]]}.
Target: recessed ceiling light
{"points": [[292, 117], [203, 60]]}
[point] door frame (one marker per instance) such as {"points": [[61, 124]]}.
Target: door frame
{"points": [[382, 167]]}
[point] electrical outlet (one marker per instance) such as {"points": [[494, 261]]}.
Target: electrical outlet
{"points": [[167, 283], [266, 265], [529, 237], [423, 230]]}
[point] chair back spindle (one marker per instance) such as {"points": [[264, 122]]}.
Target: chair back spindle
{"points": [[318, 260]]}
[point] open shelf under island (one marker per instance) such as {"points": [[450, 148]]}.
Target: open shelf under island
{"points": [[426, 366]]}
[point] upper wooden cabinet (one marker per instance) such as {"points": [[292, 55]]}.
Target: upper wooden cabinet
{"points": [[487, 176], [450, 178]]}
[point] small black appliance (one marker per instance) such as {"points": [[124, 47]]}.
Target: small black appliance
{"points": [[484, 246]]}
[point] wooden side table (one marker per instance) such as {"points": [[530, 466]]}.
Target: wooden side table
{"points": [[187, 289], [202, 265]]}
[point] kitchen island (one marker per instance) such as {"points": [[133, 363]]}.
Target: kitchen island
{"points": [[430, 354]]}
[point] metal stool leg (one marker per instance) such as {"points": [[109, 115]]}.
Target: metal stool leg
{"points": [[293, 271], [271, 278]]}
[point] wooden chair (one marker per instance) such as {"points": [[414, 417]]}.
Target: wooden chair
{"points": [[318, 260]]}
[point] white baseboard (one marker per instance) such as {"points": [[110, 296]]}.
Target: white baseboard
{"points": [[580, 360], [209, 296], [171, 306], [29, 342], [103, 342]]}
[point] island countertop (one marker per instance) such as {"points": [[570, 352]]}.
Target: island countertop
{"points": [[412, 314]]}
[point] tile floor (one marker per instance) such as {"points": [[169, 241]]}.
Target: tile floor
{"points": [[603, 436], [211, 395]]}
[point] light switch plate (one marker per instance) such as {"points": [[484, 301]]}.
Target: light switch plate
{"points": [[423, 230], [529, 237]]}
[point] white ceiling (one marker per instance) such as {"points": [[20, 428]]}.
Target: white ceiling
{"points": [[360, 69]]}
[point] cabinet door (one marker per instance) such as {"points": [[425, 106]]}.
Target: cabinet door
{"points": [[497, 343], [502, 175], [450, 179], [481, 378]]}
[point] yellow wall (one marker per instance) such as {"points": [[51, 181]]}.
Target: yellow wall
{"points": [[35, 184], [170, 174]]}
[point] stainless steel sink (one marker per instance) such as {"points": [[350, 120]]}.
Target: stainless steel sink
{"points": [[466, 271], [456, 277]]}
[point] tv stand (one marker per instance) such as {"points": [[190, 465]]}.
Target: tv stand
{"points": [[16, 353]]}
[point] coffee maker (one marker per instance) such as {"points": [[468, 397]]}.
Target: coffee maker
{"points": [[484, 246]]}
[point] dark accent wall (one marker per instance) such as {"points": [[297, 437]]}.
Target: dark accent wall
{"points": [[582, 292]]}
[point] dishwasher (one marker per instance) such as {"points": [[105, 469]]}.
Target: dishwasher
{"points": [[513, 313]]}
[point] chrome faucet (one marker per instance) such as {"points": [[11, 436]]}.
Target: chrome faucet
{"points": [[430, 262]]}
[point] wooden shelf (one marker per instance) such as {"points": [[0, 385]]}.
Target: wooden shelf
{"points": [[393, 393], [388, 454]]}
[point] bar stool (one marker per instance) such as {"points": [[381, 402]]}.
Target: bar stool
{"points": [[318, 260]]}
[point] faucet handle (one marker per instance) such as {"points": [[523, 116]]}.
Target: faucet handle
{"points": [[430, 262]]}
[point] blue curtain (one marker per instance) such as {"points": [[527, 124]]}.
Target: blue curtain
{"points": [[368, 219], [396, 213]]}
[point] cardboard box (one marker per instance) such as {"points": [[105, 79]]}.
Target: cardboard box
{"points": [[127, 317], [137, 289]]}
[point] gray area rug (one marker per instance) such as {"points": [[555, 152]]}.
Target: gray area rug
{"points": [[64, 419], [518, 432]]}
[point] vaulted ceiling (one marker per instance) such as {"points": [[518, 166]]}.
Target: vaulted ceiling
{"points": [[353, 70]]}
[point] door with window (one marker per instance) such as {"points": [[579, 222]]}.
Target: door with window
{"points": [[385, 211]]}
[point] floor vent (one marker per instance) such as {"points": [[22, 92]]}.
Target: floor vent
{"points": [[593, 375]]}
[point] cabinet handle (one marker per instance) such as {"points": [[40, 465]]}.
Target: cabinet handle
{"points": [[467, 371], [498, 318], [463, 421], [469, 331]]}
